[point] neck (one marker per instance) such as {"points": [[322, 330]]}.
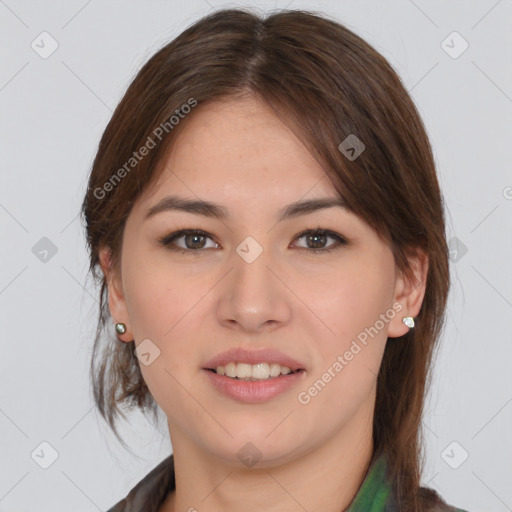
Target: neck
{"points": [[326, 478]]}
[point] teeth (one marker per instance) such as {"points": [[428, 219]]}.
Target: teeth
{"points": [[275, 369], [243, 371], [260, 371]]}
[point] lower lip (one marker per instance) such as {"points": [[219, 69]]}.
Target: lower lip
{"points": [[254, 392]]}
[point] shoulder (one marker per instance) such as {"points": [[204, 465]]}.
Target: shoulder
{"points": [[432, 502], [150, 492]]}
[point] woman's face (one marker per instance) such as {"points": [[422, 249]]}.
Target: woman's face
{"points": [[255, 282]]}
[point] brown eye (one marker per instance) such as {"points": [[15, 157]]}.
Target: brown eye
{"points": [[193, 239], [317, 238]]}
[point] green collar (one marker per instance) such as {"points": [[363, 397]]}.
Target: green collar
{"points": [[375, 493]]}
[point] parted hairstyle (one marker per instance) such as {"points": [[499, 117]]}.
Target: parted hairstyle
{"points": [[326, 83]]}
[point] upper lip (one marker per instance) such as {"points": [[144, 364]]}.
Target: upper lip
{"points": [[263, 355]]}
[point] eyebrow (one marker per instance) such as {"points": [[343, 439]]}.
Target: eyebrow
{"points": [[209, 209]]}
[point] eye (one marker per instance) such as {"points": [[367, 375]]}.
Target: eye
{"points": [[318, 237], [194, 240]]}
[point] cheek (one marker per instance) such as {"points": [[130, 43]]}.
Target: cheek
{"points": [[352, 301], [160, 317], [350, 359], [155, 297], [345, 377], [163, 307]]}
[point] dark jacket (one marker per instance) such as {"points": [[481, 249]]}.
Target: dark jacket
{"points": [[374, 495]]}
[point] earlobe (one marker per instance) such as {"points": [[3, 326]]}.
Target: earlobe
{"points": [[409, 293], [116, 300]]}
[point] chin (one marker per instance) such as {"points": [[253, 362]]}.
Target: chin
{"points": [[258, 455], [256, 447]]}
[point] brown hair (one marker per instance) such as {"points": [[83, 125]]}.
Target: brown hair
{"points": [[327, 83]]}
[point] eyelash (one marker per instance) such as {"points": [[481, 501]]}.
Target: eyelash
{"points": [[168, 239]]}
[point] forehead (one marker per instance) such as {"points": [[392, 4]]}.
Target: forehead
{"points": [[239, 150]]}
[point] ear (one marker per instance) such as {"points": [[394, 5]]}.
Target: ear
{"points": [[116, 300], [409, 293]]}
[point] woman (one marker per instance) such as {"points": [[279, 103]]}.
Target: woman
{"points": [[265, 211]]}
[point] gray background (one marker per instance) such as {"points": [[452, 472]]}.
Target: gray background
{"points": [[53, 111]]}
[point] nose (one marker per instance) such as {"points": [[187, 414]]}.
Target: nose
{"points": [[253, 296]]}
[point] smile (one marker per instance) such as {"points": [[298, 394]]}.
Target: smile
{"points": [[248, 372]]}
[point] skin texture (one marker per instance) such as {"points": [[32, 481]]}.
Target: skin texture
{"points": [[310, 306]]}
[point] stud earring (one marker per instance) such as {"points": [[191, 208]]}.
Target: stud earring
{"points": [[120, 328], [409, 321]]}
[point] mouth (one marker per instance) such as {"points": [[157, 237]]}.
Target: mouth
{"points": [[253, 372], [253, 383], [254, 376]]}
